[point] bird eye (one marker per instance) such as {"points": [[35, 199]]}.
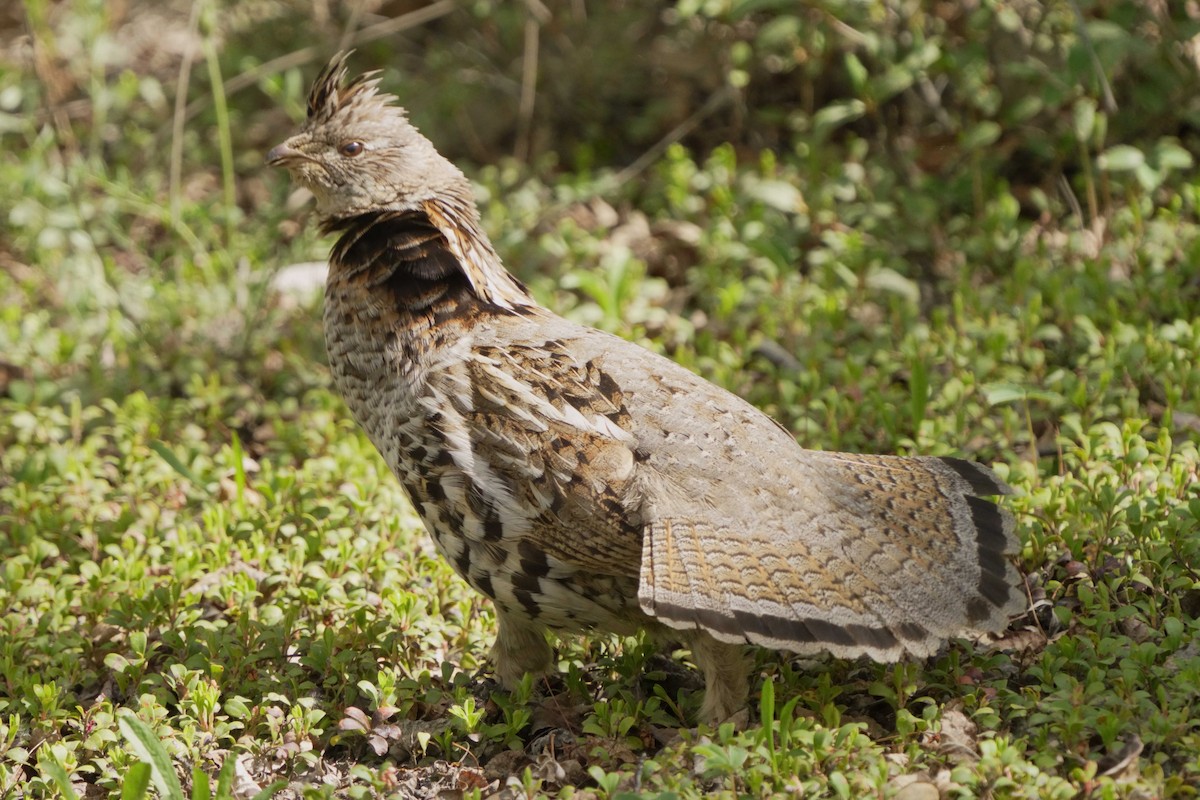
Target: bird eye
{"points": [[351, 148]]}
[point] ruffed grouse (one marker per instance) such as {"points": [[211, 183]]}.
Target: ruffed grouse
{"points": [[584, 483]]}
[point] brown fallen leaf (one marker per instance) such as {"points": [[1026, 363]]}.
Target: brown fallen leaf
{"points": [[957, 735], [918, 790]]}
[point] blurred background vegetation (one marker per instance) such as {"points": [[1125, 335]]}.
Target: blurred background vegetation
{"points": [[894, 151], [963, 228]]}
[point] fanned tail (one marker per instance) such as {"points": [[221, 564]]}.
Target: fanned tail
{"points": [[883, 556]]}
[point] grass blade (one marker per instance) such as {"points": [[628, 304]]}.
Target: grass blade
{"points": [[169, 456], [270, 791], [149, 749], [225, 778], [58, 774], [137, 781], [200, 784]]}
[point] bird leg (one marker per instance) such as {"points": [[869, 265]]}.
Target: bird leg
{"points": [[520, 647], [726, 678]]}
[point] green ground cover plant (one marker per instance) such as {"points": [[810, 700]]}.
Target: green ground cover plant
{"points": [[952, 229]]}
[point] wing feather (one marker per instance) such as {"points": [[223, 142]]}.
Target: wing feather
{"points": [[730, 526], [550, 432], [753, 538]]}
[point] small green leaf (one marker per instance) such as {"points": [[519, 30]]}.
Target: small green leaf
{"points": [[857, 72], [839, 784], [980, 136], [779, 195], [270, 791], [1000, 393], [236, 707], [116, 662], [1148, 177], [896, 80], [835, 115], [1084, 118], [1121, 158], [886, 279], [1171, 156]]}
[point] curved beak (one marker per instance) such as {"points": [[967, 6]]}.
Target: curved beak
{"points": [[281, 154]]}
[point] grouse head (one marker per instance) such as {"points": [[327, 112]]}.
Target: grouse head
{"points": [[358, 153]]}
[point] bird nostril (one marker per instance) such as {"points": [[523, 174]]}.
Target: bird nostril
{"points": [[281, 153]]}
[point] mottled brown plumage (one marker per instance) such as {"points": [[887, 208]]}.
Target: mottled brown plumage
{"points": [[584, 483]]}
